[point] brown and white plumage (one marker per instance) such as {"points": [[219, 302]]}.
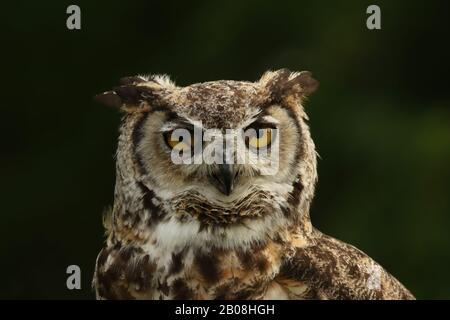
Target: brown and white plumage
{"points": [[174, 233]]}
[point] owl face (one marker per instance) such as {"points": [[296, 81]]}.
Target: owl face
{"points": [[219, 151]]}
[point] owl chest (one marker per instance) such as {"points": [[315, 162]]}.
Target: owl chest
{"points": [[220, 275], [124, 273], [248, 286], [153, 272]]}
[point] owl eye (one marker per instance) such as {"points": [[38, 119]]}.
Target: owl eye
{"points": [[179, 141], [258, 138]]}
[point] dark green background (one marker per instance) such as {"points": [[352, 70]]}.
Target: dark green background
{"points": [[381, 121]]}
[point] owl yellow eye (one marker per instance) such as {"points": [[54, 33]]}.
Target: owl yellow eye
{"points": [[177, 141], [259, 138]]}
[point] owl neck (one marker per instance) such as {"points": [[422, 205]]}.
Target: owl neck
{"points": [[141, 217]]}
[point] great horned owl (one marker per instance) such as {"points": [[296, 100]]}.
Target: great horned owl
{"points": [[220, 230]]}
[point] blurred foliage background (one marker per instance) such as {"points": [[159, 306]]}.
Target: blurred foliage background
{"points": [[380, 120]]}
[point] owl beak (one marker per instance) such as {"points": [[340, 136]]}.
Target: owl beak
{"points": [[223, 178]]}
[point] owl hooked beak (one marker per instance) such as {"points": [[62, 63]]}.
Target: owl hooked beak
{"points": [[223, 178]]}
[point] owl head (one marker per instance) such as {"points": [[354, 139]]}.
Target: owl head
{"points": [[217, 153]]}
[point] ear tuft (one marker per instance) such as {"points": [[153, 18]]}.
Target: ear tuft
{"points": [[109, 99], [277, 82], [130, 94], [136, 93], [284, 83], [307, 83], [131, 80]]}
